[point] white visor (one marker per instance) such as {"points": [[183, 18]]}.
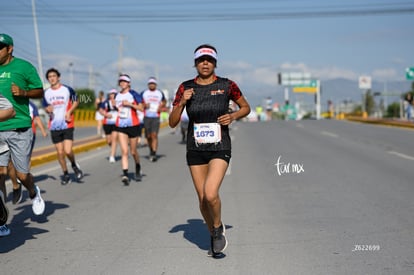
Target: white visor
{"points": [[205, 51], [124, 78]]}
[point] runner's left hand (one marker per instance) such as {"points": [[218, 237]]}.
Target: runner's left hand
{"points": [[225, 119]]}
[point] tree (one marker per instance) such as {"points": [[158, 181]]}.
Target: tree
{"points": [[393, 110], [369, 103], [86, 99]]}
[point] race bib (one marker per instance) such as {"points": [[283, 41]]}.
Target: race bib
{"points": [[123, 112], [113, 118], [207, 132], [153, 107]]}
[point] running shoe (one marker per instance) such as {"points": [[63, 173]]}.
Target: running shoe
{"points": [[66, 179], [78, 172], [4, 212], [153, 156], [219, 239], [17, 193], [210, 252], [125, 180], [111, 159], [138, 175], [38, 204], [4, 231]]}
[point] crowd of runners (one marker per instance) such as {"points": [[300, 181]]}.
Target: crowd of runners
{"points": [[201, 105]]}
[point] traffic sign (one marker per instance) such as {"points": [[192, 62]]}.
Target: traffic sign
{"points": [[364, 82], [311, 87], [294, 79], [409, 73]]}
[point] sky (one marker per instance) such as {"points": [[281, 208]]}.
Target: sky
{"points": [[91, 41]]}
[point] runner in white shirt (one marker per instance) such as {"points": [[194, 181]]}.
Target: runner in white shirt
{"points": [[154, 102], [59, 102], [128, 102]]}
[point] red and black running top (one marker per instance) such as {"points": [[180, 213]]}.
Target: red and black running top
{"points": [[205, 106]]}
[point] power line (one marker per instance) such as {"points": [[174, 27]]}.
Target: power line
{"points": [[190, 13]]}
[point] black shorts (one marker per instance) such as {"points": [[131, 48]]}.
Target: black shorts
{"points": [[109, 128], [204, 157], [60, 135], [140, 128], [132, 131]]}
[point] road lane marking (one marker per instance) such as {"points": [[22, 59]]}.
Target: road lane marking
{"points": [[325, 133], [404, 156]]}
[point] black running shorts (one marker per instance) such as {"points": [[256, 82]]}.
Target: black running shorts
{"points": [[204, 157], [60, 135], [132, 131]]}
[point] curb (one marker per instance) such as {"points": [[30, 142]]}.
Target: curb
{"points": [[393, 123], [48, 157]]}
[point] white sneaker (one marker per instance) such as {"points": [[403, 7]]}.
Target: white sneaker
{"points": [[111, 159], [4, 231], [38, 204]]}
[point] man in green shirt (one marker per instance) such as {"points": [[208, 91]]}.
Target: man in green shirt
{"points": [[19, 81]]}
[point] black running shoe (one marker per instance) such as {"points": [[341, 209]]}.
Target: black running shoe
{"points": [[17, 194], [4, 212], [210, 252], [78, 172], [138, 174], [125, 180], [219, 239], [66, 179]]}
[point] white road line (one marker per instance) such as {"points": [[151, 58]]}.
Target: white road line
{"points": [[325, 133], [404, 156]]}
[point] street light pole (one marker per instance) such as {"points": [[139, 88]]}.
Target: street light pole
{"points": [[39, 55]]}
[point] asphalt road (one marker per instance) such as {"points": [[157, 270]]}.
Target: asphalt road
{"points": [[309, 197]]}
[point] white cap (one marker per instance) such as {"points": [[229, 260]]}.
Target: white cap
{"points": [[205, 51], [124, 77], [152, 80]]}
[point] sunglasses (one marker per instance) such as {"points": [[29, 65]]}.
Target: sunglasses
{"points": [[2, 45]]}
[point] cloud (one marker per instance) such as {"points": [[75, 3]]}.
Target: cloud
{"points": [[385, 74], [64, 61]]}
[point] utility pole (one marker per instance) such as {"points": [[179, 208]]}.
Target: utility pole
{"points": [[39, 55], [121, 49], [91, 78]]}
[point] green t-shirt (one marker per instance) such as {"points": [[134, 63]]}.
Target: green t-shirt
{"points": [[24, 75]]}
